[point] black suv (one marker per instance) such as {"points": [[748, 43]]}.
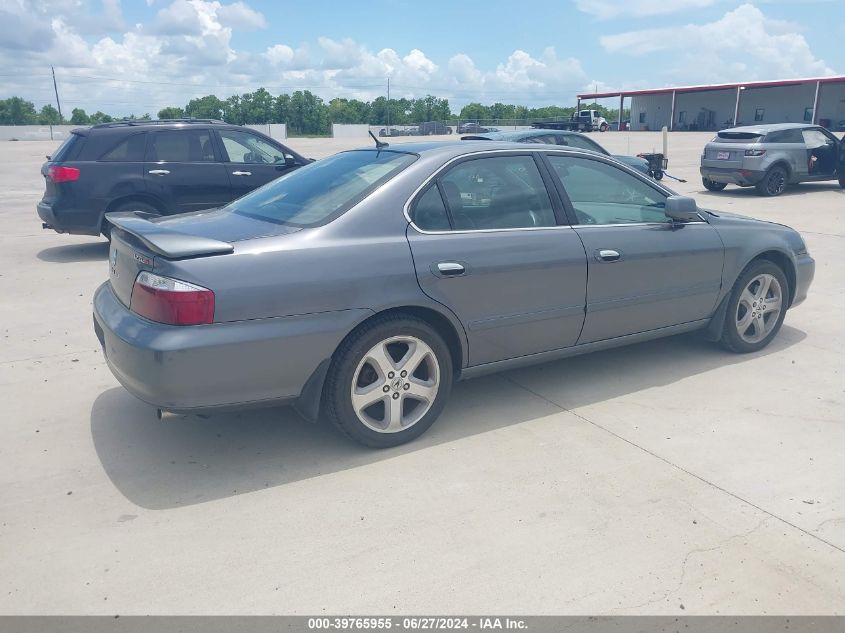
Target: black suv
{"points": [[157, 167]]}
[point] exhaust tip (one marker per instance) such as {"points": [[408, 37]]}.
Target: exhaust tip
{"points": [[46, 226]]}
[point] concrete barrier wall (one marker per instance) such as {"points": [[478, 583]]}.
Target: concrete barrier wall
{"points": [[350, 130], [35, 132], [277, 131]]}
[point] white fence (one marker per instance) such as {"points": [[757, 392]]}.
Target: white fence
{"points": [[350, 130], [277, 131]]}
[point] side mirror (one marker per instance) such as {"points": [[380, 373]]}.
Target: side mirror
{"points": [[682, 209], [290, 161]]}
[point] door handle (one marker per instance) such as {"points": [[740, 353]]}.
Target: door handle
{"points": [[159, 172], [450, 269], [608, 255], [242, 173]]}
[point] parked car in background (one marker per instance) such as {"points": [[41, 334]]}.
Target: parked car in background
{"points": [[560, 137], [771, 157], [431, 128], [156, 167], [361, 286], [472, 128], [393, 131]]}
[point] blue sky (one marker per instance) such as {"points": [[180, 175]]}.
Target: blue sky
{"points": [[139, 55]]}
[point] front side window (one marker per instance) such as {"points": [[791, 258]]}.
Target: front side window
{"points": [[322, 190], [501, 192], [243, 147], [604, 194], [181, 146]]}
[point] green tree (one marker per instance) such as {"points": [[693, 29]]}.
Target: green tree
{"points": [[78, 117], [348, 111], [256, 107], [207, 107], [307, 114], [232, 112], [49, 116], [475, 111], [430, 108], [281, 109], [171, 112], [17, 111], [100, 117]]}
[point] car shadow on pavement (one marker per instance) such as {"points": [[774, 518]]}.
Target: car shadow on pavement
{"points": [[185, 460], [90, 252], [745, 193]]}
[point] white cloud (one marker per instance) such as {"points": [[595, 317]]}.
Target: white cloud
{"points": [[607, 9], [186, 50], [742, 45]]}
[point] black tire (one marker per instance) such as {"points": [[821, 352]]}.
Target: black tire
{"points": [[346, 366], [658, 175], [603, 127], [131, 205], [712, 185], [773, 183], [842, 181], [731, 338]]}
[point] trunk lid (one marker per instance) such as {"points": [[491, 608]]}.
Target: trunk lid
{"points": [[728, 148]]}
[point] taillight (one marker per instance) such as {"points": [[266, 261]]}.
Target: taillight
{"points": [[755, 152], [171, 301], [57, 173]]}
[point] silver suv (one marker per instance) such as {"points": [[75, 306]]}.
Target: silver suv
{"points": [[770, 157]]}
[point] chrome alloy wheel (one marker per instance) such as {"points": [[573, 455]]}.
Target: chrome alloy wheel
{"points": [[395, 384], [759, 308]]}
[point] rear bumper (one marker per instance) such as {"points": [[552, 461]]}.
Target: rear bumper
{"points": [[70, 220], [733, 175], [222, 365], [805, 270]]}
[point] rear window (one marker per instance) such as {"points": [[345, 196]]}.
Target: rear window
{"points": [[738, 137], [69, 149], [323, 190]]}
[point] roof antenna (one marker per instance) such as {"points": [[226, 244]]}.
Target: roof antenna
{"points": [[379, 144]]}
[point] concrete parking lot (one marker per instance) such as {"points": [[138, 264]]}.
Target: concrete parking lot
{"points": [[669, 477]]}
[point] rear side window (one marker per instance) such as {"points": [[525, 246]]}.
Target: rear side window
{"points": [[582, 142], [181, 146], [323, 190], [130, 149], [784, 136], [430, 212]]}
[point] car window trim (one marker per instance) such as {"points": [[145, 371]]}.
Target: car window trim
{"points": [[410, 204]]}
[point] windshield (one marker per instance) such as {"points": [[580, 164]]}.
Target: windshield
{"points": [[323, 190]]}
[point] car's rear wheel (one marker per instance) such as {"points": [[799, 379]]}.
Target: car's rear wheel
{"points": [[773, 183], [603, 127], [842, 181], [712, 185], [388, 382], [756, 308], [130, 205]]}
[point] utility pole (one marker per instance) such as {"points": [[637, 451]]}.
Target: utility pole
{"points": [[58, 105], [388, 106]]}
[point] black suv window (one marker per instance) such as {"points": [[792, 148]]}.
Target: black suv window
{"points": [[180, 146], [130, 149]]}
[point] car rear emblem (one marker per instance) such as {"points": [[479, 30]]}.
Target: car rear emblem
{"points": [[143, 260]]}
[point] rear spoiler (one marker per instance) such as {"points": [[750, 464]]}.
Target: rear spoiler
{"points": [[167, 242]]}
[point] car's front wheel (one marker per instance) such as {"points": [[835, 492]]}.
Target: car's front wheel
{"points": [[712, 185], [603, 127], [388, 382], [773, 183], [756, 307]]}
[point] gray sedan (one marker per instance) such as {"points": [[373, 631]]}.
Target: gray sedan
{"points": [[360, 287]]}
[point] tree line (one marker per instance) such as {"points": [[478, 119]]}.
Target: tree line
{"points": [[302, 111]]}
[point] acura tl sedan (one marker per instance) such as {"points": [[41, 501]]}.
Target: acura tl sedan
{"points": [[359, 288]]}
